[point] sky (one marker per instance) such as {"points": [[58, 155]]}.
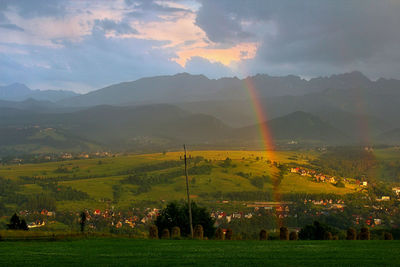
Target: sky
{"points": [[83, 45]]}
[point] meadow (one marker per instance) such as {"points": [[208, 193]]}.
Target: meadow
{"points": [[103, 179], [133, 252]]}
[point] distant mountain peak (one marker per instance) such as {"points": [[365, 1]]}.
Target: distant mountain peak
{"points": [[352, 76], [21, 92]]}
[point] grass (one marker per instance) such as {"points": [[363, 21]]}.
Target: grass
{"points": [[97, 177], [132, 252]]}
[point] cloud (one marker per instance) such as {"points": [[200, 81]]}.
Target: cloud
{"points": [[200, 65], [219, 25], [330, 34], [90, 44], [36, 8], [108, 25], [224, 56], [11, 27], [158, 6]]}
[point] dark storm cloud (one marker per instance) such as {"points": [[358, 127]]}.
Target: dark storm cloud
{"points": [[221, 24], [111, 25], [338, 33]]}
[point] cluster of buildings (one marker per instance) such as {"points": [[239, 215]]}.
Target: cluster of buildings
{"points": [[322, 178], [119, 219], [318, 177]]}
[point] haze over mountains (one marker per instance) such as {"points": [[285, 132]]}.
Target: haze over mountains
{"points": [[165, 111], [20, 92]]}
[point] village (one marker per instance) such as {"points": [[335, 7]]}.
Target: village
{"points": [[372, 215]]}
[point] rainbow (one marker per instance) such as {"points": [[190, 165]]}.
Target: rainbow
{"points": [[265, 134]]}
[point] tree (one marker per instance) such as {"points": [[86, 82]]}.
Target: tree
{"points": [[14, 222], [23, 225], [176, 214], [82, 222], [317, 231], [17, 224]]}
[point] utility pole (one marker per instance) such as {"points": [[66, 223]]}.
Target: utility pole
{"points": [[188, 194]]}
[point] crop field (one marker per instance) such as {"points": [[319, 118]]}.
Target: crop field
{"points": [[132, 252], [105, 179]]}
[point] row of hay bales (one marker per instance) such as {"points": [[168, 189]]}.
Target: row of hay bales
{"points": [[284, 234]]}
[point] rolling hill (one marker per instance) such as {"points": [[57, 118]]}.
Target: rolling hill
{"points": [[14, 141], [297, 126]]}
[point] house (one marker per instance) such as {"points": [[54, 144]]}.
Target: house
{"points": [[383, 198], [294, 170], [396, 190], [36, 224], [248, 216]]}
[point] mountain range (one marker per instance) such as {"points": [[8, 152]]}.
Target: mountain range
{"points": [[20, 92], [166, 111]]}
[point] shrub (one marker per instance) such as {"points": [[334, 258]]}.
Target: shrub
{"points": [[219, 234], [153, 232], [229, 234], [293, 236], [176, 214], [23, 225], [176, 232], [263, 235], [17, 224], [165, 234], [316, 231], [335, 237], [364, 234], [388, 236], [327, 236], [351, 234], [198, 232], [283, 233]]}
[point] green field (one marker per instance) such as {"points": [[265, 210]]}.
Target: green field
{"points": [[131, 252], [96, 177]]}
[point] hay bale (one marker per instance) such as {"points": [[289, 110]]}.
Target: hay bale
{"points": [[165, 234], [219, 234], [283, 233], [293, 236], [386, 236], [229, 234], [153, 232], [176, 232], [365, 234], [351, 234], [263, 235], [198, 232], [328, 236]]}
